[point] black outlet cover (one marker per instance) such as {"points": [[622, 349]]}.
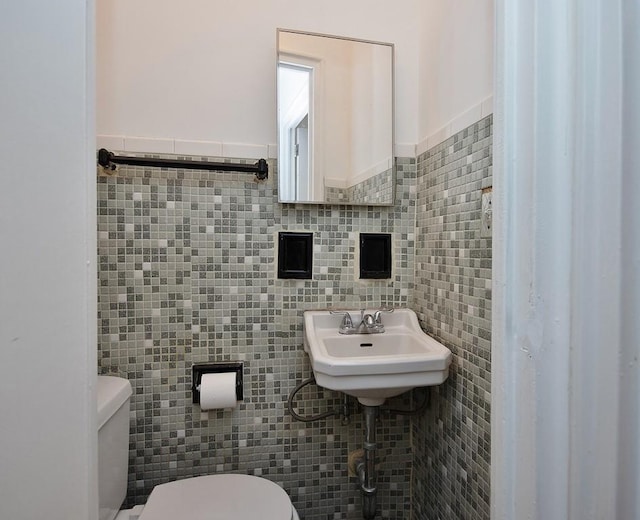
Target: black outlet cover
{"points": [[295, 255], [375, 255]]}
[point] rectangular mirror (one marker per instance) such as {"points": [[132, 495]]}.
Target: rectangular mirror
{"points": [[335, 120]]}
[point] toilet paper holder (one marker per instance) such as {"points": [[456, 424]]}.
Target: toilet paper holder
{"points": [[215, 368]]}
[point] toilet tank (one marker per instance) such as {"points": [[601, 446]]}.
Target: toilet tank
{"points": [[113, 443]]}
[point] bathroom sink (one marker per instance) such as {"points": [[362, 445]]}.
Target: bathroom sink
{"points": [[373, 367]]}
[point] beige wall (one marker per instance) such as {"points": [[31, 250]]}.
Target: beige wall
{"points": [[197, 70], [456, 64]]}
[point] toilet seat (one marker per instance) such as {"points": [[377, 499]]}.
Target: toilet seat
{"points": [[218, 497]]}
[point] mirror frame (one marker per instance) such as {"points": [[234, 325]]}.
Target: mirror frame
{"points": [[393, 118]]}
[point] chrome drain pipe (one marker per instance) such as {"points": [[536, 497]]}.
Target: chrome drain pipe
{"points": [[366, 467]]}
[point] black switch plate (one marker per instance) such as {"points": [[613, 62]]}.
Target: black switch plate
{"points": [[295, 255], [375, 255]]}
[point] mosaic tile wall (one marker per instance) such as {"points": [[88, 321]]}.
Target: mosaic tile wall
{"points": [[453, 300], [375, 190], [187, 274]]}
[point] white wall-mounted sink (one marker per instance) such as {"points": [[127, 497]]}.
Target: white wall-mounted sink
{"points": [[373, 367]]}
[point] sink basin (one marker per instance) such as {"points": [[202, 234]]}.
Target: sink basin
{"points": [[373, 367]]}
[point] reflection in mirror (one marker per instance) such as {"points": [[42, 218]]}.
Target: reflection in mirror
{"points": [[335, 120], [294, 96]]}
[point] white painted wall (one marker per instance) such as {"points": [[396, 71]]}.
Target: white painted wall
{"points": [[456, 67], [566, 291], [198, 72], [628, 463], [205, 70], [47, 267]]}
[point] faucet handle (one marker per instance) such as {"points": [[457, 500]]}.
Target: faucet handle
{"points": [[378, 314], [347, 322]]}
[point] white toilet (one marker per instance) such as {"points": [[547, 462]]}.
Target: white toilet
{"points": [[211, 497]]}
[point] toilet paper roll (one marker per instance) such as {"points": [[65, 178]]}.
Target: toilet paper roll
{"points": [[218, 391]]}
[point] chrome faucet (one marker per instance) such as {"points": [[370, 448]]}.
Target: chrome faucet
{"points": [[369, 323], [377, 317], [346, 324], [367, 320]]}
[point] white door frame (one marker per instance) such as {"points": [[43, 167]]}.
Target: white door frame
{"points": [[316, 119], [566, 283]]}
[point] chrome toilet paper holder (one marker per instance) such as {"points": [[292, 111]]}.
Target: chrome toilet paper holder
{"points": [[215, 368]]}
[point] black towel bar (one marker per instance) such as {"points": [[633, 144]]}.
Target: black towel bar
{"points": [[108, 159]]}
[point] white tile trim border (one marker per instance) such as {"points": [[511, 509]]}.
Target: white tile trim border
{"points": [[270, 151], [405, 150], [184, 147], [148, 145], [110, 142], [460, 122]]}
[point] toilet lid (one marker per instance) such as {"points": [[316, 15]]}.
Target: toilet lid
{"points": [[218, 497]]}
